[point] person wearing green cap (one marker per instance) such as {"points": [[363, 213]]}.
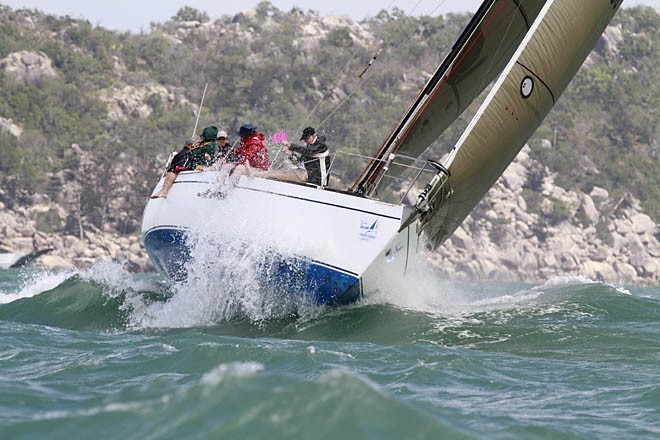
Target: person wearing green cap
{"points": [[195, 155], [203, 154]]}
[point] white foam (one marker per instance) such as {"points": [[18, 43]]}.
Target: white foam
{"points": [[112, 274], [568, 280], [572, 280], [230, 370], [87, 412], [424, 290], [210, 295], [108, 273], [37, 283]]}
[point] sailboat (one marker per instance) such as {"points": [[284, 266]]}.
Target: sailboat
{"points": [[339, 244]]}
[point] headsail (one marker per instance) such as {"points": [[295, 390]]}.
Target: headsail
{"points": [[480, 53], [547, 59]]}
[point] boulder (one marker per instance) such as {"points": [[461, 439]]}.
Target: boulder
{"points": [[84, 262], [600, 254], [357, 32], [622, 226], [28, 67], [633, 246], [610, 40], [626, 274], [462, 239], [23, 245], [598, 270], [49, 261], [567, 262], [599, 193], [588, 209], [528, 263], [587, 165], [131, 101], [8, 126], [486, 268], [514, 177], [643, 224], [641, 263], [510, 257]]}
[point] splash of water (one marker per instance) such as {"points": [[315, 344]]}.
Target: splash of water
{"points": [[35, 283], [230, 278], [424, 290]]}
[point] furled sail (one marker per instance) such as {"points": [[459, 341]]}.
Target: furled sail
{"points": [[547, 59], [481, 52]]}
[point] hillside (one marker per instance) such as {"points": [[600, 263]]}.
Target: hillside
{"points": [[88, 116]]}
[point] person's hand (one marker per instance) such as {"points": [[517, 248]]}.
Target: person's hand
{"points": [[286, 143]]}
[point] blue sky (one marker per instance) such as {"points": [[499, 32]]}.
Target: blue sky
{"points": [[135, 15]]}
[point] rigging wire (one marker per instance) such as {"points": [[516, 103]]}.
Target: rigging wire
{"points": [[338, 106], [338, 82], [362, 80], [364, 71], [342, 75], [442, 2], [414, 7], [340, 78]]}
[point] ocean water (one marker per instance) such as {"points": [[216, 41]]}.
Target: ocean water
{"points": [[102, 353]]}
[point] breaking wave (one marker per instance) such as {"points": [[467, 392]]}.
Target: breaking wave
{"points": [[107, 298]]}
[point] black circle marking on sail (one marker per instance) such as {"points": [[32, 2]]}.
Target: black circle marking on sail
{"points": [[527, 86], [534, 75]]}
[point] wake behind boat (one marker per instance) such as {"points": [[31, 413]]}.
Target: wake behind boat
{"points": [[336, 243]]}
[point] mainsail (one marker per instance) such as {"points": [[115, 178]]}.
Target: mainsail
{"points": [[547, 59], [478, 56]]}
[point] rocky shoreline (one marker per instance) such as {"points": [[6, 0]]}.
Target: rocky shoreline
{"points": [[593, 236], [501, 241], [20, 235]]}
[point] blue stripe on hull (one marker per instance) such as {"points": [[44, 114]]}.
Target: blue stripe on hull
{"points": [[169, 252]]}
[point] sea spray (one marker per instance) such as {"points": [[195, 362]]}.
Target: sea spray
{"points": [[234, 272], [35, 282]]}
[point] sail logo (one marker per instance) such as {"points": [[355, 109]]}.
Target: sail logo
{"points": [[368, 230]]}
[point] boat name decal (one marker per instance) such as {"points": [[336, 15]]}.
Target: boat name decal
{"points": [[368, 230]]}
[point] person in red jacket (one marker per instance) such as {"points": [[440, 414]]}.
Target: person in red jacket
{"points": [[251, 153], [252, 148]]}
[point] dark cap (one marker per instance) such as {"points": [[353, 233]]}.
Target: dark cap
{"points": [[246, 130], [308, 131]]}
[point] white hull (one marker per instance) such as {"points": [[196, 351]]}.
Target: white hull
{"points": [[334, 245]]}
